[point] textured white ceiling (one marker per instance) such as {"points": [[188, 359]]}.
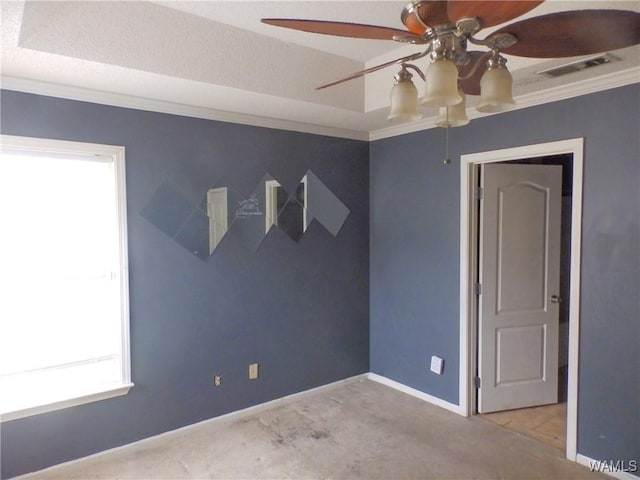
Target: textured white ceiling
{"points": [[247, 15], [217, 56]]}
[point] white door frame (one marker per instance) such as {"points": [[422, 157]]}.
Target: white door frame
{"points": [[468, 218]]}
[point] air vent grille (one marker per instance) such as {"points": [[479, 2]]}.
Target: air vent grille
{"points": [[579, 65]]}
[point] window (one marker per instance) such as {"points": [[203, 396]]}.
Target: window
{"points": [[64, 314]]}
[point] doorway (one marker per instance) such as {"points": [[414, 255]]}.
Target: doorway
{"points": [[470, 167]]}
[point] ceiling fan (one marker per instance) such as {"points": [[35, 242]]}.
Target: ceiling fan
{"points": [[447, 27]]}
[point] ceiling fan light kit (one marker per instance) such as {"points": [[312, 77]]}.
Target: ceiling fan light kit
{"points": [[455, 116], [496, 88], [441, 85], [404, 99], [446, 27]]}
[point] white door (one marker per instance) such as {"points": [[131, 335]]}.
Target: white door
{"points": [[218, 216], [519, 270]]}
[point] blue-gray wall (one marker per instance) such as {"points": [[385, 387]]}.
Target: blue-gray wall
{"points": [[414, 265], [299, 309]]}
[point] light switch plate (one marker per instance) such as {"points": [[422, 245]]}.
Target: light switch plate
{"points": [[436, 364]]}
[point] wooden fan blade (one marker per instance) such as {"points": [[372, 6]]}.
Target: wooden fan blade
{"points": [[568, 34], [424, 15], [339, 29], [469, 75], [489, 12], [361, 73]]}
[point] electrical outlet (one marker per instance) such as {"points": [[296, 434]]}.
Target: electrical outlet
{"points": [[253, 371], [217, 380], [437, 364]]}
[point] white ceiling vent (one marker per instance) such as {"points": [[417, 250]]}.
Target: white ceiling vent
{"points": [[579, 65]]}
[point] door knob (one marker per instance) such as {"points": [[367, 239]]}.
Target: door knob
{"points": [[555, 299]]}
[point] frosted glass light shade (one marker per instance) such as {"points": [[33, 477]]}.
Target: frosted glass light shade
{"points": [[404, 102], [495, 91], [457, 114], [441, 85]]}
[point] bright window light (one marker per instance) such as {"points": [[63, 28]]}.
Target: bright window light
{"points": [[64, 324]]}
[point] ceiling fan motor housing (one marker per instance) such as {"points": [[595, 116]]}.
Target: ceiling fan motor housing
{"points": [[447, 44]]}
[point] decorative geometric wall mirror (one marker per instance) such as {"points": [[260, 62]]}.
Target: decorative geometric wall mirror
{"points": [[247, 219]]}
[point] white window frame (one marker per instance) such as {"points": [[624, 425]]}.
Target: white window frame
{"points": [[116, 154]]}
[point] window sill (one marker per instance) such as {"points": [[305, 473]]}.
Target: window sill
{"points": [[58, 404]]}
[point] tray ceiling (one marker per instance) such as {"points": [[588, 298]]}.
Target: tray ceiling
{"points": [[215, 59]]}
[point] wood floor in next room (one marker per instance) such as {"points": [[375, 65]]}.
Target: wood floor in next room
{"points": [[357, 429], [547, 423]]}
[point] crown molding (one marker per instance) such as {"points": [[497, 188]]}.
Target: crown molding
{"points": [[584, 87], [604, 82], [139, 103]]}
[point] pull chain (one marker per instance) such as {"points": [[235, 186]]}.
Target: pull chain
{"points": [[447, 160]]}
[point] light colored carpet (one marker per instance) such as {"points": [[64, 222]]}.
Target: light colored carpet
{"points": [[352, 430]]}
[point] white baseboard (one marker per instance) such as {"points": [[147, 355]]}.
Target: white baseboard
{"points": [[417, 393], [590, 463], [227, 417], [581, 459], [267, 405]]}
